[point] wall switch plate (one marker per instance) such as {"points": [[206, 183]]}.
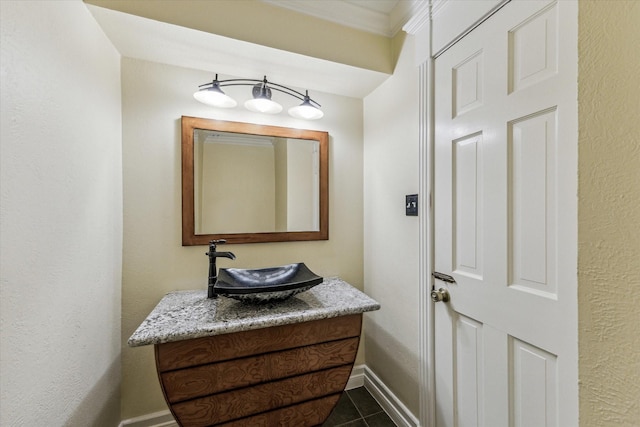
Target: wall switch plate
{"points": [[411, 204]]}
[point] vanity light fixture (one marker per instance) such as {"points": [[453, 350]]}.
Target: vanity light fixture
{"points": [[211, 94]]}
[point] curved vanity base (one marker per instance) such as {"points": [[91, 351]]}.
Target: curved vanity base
{"points": [[290, 375], [311, 413]]}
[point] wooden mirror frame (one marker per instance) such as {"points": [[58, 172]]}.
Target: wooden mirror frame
{"points": [[189, 238]]}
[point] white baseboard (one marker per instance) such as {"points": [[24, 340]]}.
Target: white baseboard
{"points": [[396, 410], [156, 419], [357, 377], [360, 376]]}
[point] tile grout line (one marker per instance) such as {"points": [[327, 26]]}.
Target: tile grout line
{"points": [[362, 417], [346, 392], [359, 411], [355, 406]]}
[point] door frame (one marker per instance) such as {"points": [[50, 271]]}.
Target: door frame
{"points": [[421, 25]]}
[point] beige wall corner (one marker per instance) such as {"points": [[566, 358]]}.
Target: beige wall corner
{"points": [[609, 213]]}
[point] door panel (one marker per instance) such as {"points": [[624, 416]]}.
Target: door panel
{"points": [[532, 178], [504, 192], [466, 211], [533, 49], [469, 372], [467, 84], [533, 386]]}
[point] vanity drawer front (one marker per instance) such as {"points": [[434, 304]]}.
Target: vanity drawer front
{"points": [[200, 351], [184, 384], [311, 413], [245, 402]]}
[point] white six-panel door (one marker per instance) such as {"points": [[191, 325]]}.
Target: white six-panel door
{"points": [[505, 220]]}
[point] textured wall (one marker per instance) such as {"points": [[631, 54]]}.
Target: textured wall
{"points": [[154, 262], [60, 217], [609, 213], [391, 238]]}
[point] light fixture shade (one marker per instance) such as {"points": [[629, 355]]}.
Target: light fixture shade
{"points": [[263, 105], [306, 111], [211, 94], [215, 97]]}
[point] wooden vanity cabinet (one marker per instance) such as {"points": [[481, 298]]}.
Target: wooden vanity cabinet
{"points": [[289, 375]]}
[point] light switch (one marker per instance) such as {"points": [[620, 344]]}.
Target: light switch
{"points": [[411, 204]]}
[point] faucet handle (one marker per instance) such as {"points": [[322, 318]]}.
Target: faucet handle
{"points": [[212, 245]]}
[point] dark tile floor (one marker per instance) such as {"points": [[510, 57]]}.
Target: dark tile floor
{"points": [[357, 408]]}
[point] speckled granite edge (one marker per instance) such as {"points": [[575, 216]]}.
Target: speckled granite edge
{"points": [[190, 314]]}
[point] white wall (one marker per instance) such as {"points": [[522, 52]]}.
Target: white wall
{"points": [[155, 96], [60, 217], [391, 238]]}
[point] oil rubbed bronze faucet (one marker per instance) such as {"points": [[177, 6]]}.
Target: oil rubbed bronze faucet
{"points": [[213, 271]]}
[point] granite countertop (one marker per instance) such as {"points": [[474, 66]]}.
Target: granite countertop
{"points": [[190, 314]]}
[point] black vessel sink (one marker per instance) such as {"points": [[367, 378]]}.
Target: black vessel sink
{"points": [[265, 284]]}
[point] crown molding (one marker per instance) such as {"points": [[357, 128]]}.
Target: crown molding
{"points": [[352, 15], [404, 12], [419, 17], [437, 6], [340, 12]]}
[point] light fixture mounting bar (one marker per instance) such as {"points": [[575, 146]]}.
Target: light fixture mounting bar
{"points": [[252, 82]]}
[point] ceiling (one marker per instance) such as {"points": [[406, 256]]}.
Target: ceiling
{"points": [[154, 40], [384, 17]]}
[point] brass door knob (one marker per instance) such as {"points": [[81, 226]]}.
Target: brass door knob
{"points": [[440, 295]]}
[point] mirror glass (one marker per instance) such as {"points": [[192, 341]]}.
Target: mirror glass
{"points": [[251, 183], [255, 183]]}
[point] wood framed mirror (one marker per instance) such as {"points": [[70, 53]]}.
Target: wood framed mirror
{"points": [[249, 183]]}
